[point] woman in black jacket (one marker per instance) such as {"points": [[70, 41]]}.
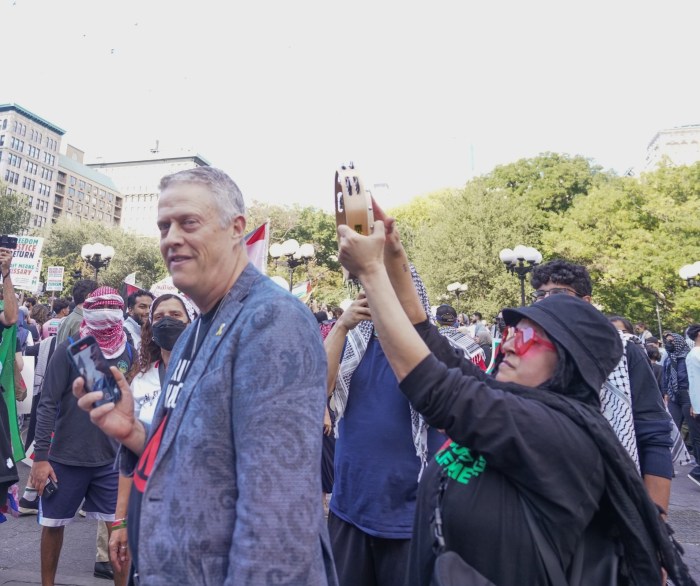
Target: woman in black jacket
{"points": [[531, 441]]}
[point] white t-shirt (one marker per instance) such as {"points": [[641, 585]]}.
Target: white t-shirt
{"points": [[146, 389], [692, 363]]}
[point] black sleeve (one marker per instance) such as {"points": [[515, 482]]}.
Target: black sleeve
{"points": [[523, 438], [446, 353], [56, 381], [32, 350], [652, 423]]}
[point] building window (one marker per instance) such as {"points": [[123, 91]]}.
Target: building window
{"points": [[72, 180], [2, 140], [81, 184], [70, 204], [78, 208], [89, 187], [71, 192]]}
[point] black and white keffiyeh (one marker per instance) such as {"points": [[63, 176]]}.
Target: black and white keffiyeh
{"points": [[616, 402]]}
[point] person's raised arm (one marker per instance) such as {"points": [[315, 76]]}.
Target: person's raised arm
{"points": [[364, 256], [398, 268], [10, 311], [335, 340]]}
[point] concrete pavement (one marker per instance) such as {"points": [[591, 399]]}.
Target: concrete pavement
{"points": [[20, 561]]}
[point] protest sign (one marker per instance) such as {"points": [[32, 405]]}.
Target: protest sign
{"points": [[54, 279]]}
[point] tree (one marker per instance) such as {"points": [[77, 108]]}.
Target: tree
{"points": [[456, 235], [550, 182], [633, 235], [15, 211], [133, 253]]}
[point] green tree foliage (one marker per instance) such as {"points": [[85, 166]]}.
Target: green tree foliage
{"points": [[132, 254], [634, 235], [456, 235], [549, 182], [15, 212]]}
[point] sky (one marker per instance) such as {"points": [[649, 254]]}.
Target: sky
{"points": [[419, 95]]}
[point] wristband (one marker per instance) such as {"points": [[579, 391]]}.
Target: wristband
{"points": [[6, 276], [119, 524]]}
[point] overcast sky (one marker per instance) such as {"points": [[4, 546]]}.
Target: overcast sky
{"points": [[420, 95]]}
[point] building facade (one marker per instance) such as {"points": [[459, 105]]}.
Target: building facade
{"points": [[138, 182], [84, 194], [680, 146], [29, 153]]}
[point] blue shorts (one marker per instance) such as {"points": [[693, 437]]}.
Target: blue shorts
{"points": [[98, 486]]}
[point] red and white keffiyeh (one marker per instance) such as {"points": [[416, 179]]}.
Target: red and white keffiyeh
{"points": [[103, 318]]}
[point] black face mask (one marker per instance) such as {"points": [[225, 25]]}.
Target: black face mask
{"points": [[669, 348], [166, 332]]}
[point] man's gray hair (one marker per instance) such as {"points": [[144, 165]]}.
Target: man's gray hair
{"points": [[228, 197]]}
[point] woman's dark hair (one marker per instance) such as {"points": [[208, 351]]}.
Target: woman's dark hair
{"points": [[624, 321], [653, 353], [693, 331], [149, 352]]}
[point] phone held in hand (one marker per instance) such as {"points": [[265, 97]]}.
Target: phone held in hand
{"points": [[94, 368], [8, 242], [49, 488]]}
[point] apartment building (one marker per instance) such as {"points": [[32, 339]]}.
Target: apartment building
{"points": [[29, 152], [138, 182], [84, 194]]}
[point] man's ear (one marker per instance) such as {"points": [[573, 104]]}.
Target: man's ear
{"points": [[587, 298], [238, 225]]}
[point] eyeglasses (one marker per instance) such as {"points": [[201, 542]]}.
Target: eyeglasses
{"points": [[523, 340], [540, 294]]}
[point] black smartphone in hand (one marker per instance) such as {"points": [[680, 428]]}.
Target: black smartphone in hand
{"points": [[93, 367], [49, 488], [8, 242]]}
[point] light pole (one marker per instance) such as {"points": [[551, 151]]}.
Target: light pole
{"points": [[690, 274], [457, 289], [97, 255], [520, 261], [295, 254]]}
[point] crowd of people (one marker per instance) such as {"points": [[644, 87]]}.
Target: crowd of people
{"points": [[538, 449]]}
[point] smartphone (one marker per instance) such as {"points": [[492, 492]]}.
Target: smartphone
{"points": [[93, 367], [8, 242], [49, 488]]}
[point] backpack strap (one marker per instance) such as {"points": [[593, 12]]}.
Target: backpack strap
{"points": [[549, 558]]}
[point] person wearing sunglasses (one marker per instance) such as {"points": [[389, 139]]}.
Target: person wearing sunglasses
{"points": [[629, 397], [530, 439]]}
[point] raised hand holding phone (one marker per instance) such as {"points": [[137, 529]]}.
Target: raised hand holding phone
{"points": [[94, 369]]}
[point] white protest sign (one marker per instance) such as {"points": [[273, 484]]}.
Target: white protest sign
{"points": [[54, 278], [26, 262]]}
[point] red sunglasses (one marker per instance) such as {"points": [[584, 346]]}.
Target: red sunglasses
{"points": [[523, 340]]}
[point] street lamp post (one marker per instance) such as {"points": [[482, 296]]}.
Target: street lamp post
{"points": [[457, 289], [520, 261], [690, 274], [295, 254], [97, 255]]}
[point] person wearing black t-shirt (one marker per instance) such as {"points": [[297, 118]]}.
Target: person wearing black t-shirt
{"points": [[238, 418]]}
